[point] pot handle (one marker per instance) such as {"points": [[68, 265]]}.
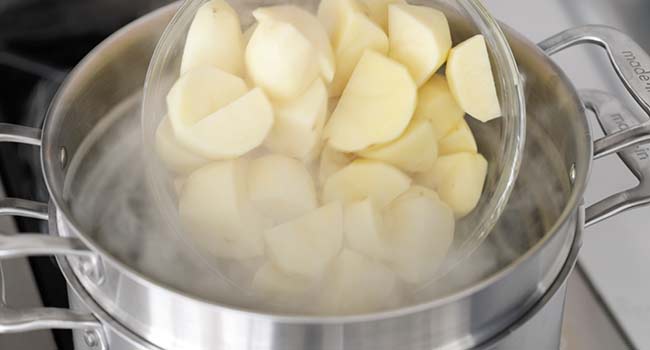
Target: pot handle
{"points": [[623, 129], [11, 246]]}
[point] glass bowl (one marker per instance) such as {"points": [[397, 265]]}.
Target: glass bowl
{"points": [[501, 140]]}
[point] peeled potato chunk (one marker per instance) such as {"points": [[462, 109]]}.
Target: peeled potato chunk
{"points": [[458, 178], [470, 79], [281, 60], [277, 285], [309, 26], [214, 39], [363, 179], [356, 35], [332, 161], [416, 150], [363, 228], [437, 104], [357, 284], [175, 157], [377, 10], [376, 105], [232, 130], [298, 125], [419, 191], [216, 214], [459, 139], [280, 187], [199, 93], [305, 246], [421, 230], [419, 38], [332, 14]]}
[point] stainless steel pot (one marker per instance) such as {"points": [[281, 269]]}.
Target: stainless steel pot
{"points": [[535, 235]]}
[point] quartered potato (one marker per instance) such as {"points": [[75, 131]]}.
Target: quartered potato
{"points": [[363, 225], [363, 179], [459, 139], [216, 213], [298, 127], [458, 178], [377, 10], [438, 105], [281, 188], [421, 232], [470, 79], [309, 26], [214, 39], [416, 150], [357, 284], [419, 38], [376, 105], [305, 246], [175, 157]]}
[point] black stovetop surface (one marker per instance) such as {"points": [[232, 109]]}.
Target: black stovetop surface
{"points": [[40, 42]]}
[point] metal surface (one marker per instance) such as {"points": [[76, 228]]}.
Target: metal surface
{"points": [[171, 319]]}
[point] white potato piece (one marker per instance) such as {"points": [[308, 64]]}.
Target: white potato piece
{"points": [[214, 39], [332, 14], [437, 104], [276, 285], [281, 188], [416, 150], [216, 214], [305, 246], [364, 228], [281, 60], [458, 178], [200, 92], [363, 179], [377, 10], [356, 35], [175, 157], [421, 230], [419, 38], [332, 161], [298, 125], [233, 130], [459, 139], [309, 26], [356, 284], [376, 105], [470, 79]]}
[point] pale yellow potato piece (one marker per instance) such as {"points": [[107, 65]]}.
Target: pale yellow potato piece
{"points": [[274, 284], [416, 150], [459, 139], [233, 130], [200, 92], [458, 178], [175, 157], [421, 230], [309, 26], [214, 39], [332, 161], [377, 10], [281, 188], [298, 125], [419, 38], [306, 246], [216, 214], [470, 79], [376, 105], [281, 60], [363, 179], [333, 13], [436, 104], [356, 35], [364, 228], [356, 284]]}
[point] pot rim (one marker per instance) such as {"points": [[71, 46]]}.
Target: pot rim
{"points": [[56, 199]]}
